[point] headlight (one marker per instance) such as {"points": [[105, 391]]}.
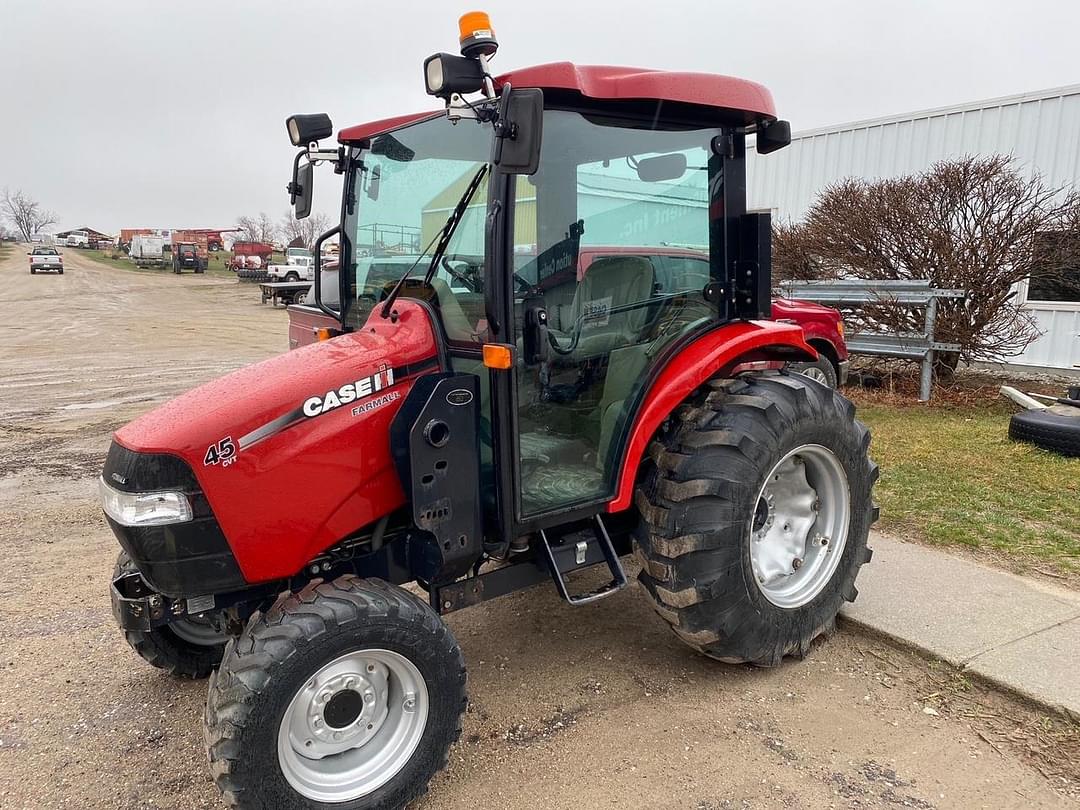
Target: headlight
{"points": [[144, 508]]}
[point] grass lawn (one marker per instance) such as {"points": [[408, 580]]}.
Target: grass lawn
{"points": [[950, 476]]}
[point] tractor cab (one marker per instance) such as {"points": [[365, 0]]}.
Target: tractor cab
{"points": [[484, 212]]}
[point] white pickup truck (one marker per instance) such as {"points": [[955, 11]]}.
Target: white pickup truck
{"points": [[296, 268], [45, 259]]}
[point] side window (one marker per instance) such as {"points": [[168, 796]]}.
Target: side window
{"points": [[684, 273], [1057, 266], [621, 260]]}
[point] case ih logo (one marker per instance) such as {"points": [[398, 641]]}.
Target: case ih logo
{"points": [[364, 387]]}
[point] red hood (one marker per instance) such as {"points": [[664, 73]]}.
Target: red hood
{"points": [[791, 308], [311, 429]]}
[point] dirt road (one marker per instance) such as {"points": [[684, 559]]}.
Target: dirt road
{"points": [[591, 707]]}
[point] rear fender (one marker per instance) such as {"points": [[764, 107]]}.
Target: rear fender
{"points": [[716, 353]]}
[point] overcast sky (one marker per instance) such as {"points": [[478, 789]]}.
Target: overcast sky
{"points": [[170, 113]]}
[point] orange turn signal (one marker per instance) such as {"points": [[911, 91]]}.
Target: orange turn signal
{"points": [[498, 356], [323, 334]]}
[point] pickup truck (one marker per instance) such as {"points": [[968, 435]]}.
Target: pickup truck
{"points": [[296, 268], [673, 267], [46, 260]]}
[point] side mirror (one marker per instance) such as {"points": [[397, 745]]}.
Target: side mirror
{"points": [[518, 131], [300, 189], [662, 167], [773, 135], [316, 286]]}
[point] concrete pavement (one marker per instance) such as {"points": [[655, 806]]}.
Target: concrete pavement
{"points": [[1017, 633]]}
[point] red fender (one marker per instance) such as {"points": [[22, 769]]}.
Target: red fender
{"points": [[719, 350]]}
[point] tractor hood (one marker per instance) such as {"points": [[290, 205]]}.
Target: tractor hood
{"points": [[299, 440]]}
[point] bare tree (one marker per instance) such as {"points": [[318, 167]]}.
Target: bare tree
{"points": [[307, 230], [973, 223], [257, 229], [24, 213]]}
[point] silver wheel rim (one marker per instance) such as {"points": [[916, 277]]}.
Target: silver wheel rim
{"points": [[198, 631], [800, 526], [815, 373], [353, 726]]}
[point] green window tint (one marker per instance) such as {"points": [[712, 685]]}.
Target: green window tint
{"points": [[620, 222], [410, 182]]}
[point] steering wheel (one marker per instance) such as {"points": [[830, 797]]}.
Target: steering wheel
{"points": [[471, 281]]}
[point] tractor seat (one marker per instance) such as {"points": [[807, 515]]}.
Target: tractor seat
{"points": [[610, 282]]}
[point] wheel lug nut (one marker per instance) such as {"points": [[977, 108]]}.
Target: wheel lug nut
{"points": [[796, 564], [369, 697], [339, 736]]}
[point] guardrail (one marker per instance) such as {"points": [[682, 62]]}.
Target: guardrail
{"points": [[909, 294]]}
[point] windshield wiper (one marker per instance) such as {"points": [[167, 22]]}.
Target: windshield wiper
{"points": [[444, 235]]}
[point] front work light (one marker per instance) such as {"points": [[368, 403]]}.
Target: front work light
{"points": [[144, 508], [304, 129], [445, 74]]}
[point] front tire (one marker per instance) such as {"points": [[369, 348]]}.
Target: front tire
{"points": [[186, 648], [347, 694], [742, 491], [821, 370]]}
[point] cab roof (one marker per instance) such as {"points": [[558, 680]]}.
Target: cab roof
{"points": [[749, 101]]}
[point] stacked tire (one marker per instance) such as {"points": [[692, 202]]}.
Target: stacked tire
{"points": [[1056, 429]]}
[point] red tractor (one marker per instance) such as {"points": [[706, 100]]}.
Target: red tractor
{"points": [[471, 430]]}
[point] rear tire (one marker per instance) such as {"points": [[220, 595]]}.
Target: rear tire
{"points": [[292, 276], [195, 654], [257, 736], [708, 500]]}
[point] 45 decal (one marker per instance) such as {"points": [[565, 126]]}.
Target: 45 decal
{"points": [[224, 453]]}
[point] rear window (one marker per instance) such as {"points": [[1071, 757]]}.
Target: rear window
{"points": [[45, 252]]}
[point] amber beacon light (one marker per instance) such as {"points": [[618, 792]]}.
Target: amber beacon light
{"points": [[477, 35]]}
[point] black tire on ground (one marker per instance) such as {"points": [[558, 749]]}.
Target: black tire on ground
{"points": [[164, 649], [61, 272], [821, 370], [277, 654], [1048, 430], [699, 497], [33, 272]]}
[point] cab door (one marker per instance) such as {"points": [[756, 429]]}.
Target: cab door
{"points": [[601, 229]]}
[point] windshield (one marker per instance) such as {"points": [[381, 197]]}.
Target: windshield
{"points": [[410, 182]]}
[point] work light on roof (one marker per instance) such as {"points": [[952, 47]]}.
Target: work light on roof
{"points": [[446, 75]]}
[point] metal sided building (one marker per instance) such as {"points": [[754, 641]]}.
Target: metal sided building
{"points": [[1040, 130]]}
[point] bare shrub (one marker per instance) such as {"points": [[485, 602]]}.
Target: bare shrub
{"points": [[972, 223]]}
